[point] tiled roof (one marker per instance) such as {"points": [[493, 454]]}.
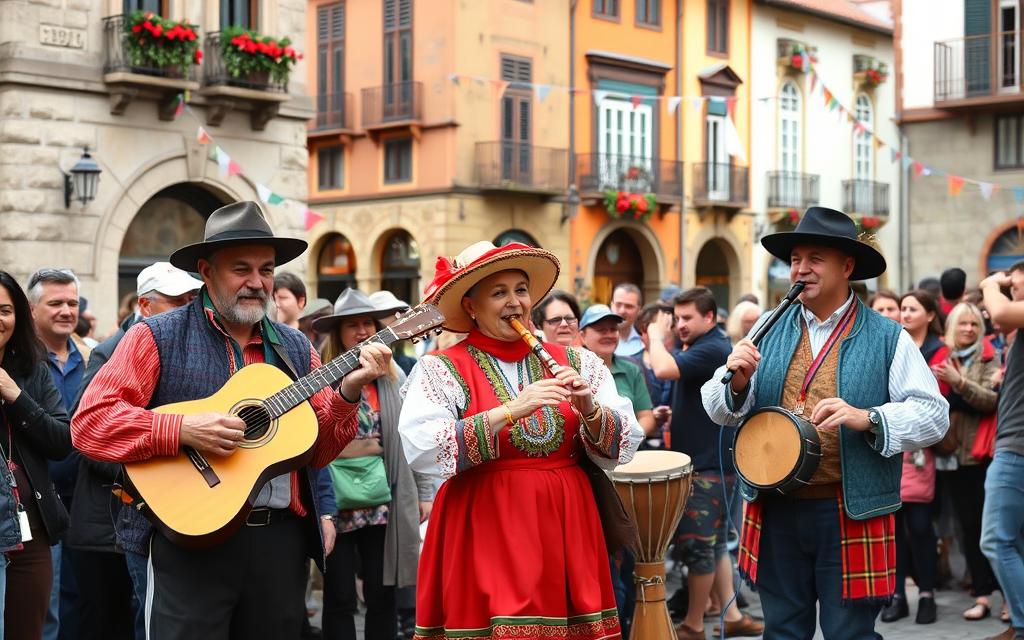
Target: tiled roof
{"points": [[842, 10]]}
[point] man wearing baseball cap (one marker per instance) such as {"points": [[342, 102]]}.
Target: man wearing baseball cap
{"points": [[107, 588]]}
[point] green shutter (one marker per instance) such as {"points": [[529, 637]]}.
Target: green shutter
{"points": [[978, 46]]}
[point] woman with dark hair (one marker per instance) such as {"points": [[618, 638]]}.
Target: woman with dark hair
{"points": [[558, 316], [915, 535], [380, 530], [886, 303], [34, 428]]}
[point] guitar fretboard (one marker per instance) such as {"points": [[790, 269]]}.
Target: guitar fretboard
{"points": [[307, 386]]}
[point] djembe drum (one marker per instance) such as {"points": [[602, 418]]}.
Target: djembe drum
{"points": [[654, 488], [776, 450]]}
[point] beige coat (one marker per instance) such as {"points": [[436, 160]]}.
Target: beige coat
{"points": [[979, 392]]}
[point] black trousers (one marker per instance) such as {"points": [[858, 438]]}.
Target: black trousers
{"points": [[104, 604], [340, 603], [967, 489], [249, 587], [916, 543]]}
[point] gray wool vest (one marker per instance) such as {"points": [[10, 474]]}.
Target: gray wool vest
{"points": [[871, 482]]}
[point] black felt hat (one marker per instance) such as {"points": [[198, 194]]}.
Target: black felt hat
{"points": [[232, 225], [828, 227]]}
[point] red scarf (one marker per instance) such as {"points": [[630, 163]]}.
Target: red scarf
{"points": [[508, 351]]}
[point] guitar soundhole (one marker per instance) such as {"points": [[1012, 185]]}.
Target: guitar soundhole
{"points": [[257, 421]]}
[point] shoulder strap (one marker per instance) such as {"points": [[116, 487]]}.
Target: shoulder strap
{"points": [[283, 355]]}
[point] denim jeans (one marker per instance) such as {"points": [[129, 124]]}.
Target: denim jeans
{"points": [[1002, 529], [52, 628], [138, 568], [3, 590], [800, 563]]}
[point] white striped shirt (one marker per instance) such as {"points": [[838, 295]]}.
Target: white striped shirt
{"points": [[915, 417]]}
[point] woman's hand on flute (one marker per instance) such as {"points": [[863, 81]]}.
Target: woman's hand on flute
{"points": [[549, 392], [580, 392]]}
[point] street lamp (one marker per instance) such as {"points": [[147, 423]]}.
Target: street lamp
{"points": [[81, 182], [572, 203]]}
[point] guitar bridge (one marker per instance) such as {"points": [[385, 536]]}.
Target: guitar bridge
{"points": [[202, 465]]}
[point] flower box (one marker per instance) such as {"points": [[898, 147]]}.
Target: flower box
{"points": [[157, 46], [256, 59], [629, 206]]}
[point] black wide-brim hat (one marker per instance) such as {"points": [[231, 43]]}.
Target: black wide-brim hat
{"points": [[830, 228], [232, 225]]}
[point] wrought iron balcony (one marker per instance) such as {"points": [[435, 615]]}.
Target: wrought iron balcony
{"points": [[978, 69], [509, 166], [392, 104], [791, 190], [334, 112], [720, 184], [121, 57], [598, 172], [216, 73], [866, 198]]}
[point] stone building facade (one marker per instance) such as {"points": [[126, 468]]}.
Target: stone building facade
{"points": [[66, 85]]}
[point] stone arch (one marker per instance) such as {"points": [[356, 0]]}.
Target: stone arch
{"points": [[652, 258], [731, 248]]}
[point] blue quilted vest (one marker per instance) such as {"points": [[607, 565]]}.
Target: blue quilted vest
{"points": [[871, 482], [184, 338]]}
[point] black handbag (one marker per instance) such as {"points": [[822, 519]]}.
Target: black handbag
{"points": [[619, 528]]}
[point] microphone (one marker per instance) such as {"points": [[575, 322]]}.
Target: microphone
{"points": [[770, 321]]}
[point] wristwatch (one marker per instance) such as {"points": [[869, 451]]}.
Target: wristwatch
{"points": [[329, 517], [875, 418]]}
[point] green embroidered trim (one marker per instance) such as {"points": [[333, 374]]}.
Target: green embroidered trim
{"points": [[535, 435], [521, 626], [484, 438], [446, 361], [574, 359]]}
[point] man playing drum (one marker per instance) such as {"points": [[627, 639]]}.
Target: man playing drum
{"points": [[859, 379]]}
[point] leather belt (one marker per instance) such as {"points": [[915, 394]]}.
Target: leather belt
{"points": [[816, 491], [263, 516]]}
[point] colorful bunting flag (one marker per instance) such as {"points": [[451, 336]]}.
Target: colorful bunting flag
{"points": [[987, 189], [673, 104], [879, 143], [263, 192], [635, 101], [542, 92], [907, 162], [918, 169], [894, 154], [730, 105], [955, 184], [310, 218], [223, 161], [1018, 194], [234, 169], [599, 96], [202, 137], [179, 107]]}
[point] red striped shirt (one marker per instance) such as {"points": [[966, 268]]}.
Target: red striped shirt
{"points": [[112, 424]]}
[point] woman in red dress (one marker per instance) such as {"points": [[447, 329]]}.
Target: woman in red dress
{"points": [[515, 547]]}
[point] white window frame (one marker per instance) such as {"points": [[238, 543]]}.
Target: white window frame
{"points": [[717, 157], [625, 137], [863, 149], [1013, 32]]}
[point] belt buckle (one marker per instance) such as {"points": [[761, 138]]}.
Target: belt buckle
{"points": [[262, 518]]}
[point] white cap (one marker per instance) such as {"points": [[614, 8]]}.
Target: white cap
{"points": [[165, 278]]}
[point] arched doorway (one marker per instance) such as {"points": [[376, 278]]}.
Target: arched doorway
{"points": [[618, 261], [174, 217], [714, 272], [400, 267], [1007, 249], [335, 267], [515, 235]]}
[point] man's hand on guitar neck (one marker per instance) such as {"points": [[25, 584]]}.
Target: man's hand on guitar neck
{"points": [[214, 433], [374, 360]]}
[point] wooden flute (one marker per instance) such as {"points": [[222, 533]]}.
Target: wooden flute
{"points": [[535, 346]]}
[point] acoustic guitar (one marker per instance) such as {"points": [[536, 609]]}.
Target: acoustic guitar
{"points": [[197, 502]]}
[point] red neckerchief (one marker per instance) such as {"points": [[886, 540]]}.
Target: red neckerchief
{"points": [[508, 351], [833, 338]]}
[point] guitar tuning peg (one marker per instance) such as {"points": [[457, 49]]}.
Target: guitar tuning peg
{"points": [[414, 340], [438, 331]]}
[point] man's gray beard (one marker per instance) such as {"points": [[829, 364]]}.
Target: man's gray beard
{"points": [[235, 313]]}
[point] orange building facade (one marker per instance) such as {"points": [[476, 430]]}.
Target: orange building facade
{"points": [[662, 84]]}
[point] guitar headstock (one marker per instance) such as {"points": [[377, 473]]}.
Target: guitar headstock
{"points": [[417, 321]]}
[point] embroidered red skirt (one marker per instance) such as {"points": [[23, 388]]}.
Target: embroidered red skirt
{"points": [[514, 550]]}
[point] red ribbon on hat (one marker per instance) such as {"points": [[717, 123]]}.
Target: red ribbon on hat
{"points": [[445, 270]]}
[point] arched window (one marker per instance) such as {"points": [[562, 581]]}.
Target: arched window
{"points": [[335, 267], [515, 235], [863, 153], [400, 267]]}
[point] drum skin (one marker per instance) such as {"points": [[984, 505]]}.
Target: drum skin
{"points": [[776, 450], [654, 488]]}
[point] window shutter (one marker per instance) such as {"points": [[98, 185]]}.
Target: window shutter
{"points": [[977, 17], [405, 13], [390, 17], [977, 56], [338, 21]]}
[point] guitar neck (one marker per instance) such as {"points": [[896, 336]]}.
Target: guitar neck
{"points": [[307, 386]]}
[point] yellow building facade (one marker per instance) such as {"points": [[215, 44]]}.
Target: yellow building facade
{"points": [[662, 111], [430, 135]]}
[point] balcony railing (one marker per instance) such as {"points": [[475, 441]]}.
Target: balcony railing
{"points": [[334, 111], [118, 54], [790, 190], [521, 167], [392, 103], [978, 66], [866, 198], [215, 72], [598, 172], [718, 183]]}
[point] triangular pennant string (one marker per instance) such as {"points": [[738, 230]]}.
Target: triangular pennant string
{"points": [[955, 184], [673, 104], [310, 218]]}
